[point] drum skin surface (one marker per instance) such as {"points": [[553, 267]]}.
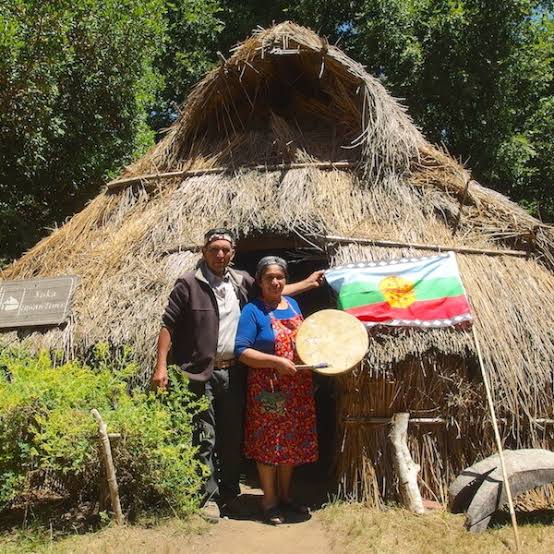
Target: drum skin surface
{"points": [[333, 337]]}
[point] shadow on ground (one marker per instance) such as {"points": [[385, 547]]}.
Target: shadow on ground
{"points": [[312, 487], [536, 517]]}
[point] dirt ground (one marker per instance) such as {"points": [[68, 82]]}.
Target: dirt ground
{"points": [[238, 534], [333, 528], [227, 537]]}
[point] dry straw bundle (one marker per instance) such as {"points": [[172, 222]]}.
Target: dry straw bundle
{"points": [[289, 136]]}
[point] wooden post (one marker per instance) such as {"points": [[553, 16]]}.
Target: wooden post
{"points": [[462, 202], [108, 464], [405, 467], [498, 440], [423, 246]]}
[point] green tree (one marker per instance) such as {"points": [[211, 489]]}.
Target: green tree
{"points": [[76, 86], [477, 76], [193, 28]]}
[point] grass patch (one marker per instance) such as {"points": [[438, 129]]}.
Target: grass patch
{"points": [[170, 535], [354, 528]]}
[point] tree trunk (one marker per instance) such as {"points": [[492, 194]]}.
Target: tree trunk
{"points": [[405, 467]]}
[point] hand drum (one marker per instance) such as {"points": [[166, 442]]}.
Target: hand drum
{"points": [[333, 337]]}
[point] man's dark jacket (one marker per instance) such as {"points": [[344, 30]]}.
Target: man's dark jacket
{"points": [[192, 317]]}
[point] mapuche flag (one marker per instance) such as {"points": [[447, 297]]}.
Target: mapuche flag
{"points": [[414, 292]]}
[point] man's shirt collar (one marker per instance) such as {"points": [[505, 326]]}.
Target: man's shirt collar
{"points": [[212, 278]]}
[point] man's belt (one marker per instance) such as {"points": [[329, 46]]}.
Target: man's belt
{"points": [[225, 364]]}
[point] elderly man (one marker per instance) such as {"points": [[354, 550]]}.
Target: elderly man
{"points": [[199, 326]]}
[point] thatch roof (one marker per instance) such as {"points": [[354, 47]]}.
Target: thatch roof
{"points": [[290, 102]]}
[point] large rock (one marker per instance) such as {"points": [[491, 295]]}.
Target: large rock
{"points": [[479, 490]]}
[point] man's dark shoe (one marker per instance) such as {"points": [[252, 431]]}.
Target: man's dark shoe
{"points": [[237, 507]]}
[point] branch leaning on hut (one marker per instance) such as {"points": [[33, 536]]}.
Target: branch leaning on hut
{"points": [[108, 465], [404, 465]]}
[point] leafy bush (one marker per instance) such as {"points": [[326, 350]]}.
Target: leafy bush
{"points": [[48, 438]]}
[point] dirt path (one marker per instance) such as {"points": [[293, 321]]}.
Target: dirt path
{"points": [[249, 535]]}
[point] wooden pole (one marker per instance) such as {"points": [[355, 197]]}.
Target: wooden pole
{"points": [[498, 441], [404, 465], [422, 246], [386, 420], [115, 186], [462, 202], [108, 463]]}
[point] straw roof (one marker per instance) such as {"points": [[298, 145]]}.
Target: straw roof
{"points": [[289, 136]]}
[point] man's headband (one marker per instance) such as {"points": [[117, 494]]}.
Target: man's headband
{"points": [[219, 234]]}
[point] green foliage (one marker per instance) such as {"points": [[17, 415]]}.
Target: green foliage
{"points": [[477, 76], [190, 51], [46, 429], [76, 85], [85, 86]]}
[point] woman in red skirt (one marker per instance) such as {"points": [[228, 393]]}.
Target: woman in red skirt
{"points": [[280, 431]]}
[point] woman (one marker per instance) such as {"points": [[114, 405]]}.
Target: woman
{"points": [[280, 430]]}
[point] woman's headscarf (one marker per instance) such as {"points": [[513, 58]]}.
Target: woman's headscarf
{"points": [[267, 261]]}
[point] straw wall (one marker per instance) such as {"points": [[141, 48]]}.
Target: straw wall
{"points": [[434, 374]]}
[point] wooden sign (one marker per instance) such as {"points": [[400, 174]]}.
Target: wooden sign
{"points": [[32, 302]]}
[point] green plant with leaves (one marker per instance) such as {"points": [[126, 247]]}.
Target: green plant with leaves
{"points": [[476, 75], [76, 85], [48, 438]]}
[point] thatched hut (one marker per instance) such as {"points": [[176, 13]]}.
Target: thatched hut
{"points": [[290, 142]]}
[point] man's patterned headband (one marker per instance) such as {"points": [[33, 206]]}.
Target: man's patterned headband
{"points": [[219, 236]]}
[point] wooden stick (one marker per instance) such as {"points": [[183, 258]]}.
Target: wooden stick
{"points": [[386, 420], [421, 246], [321, 365], [108, 463], [542, 421], [404, 465], [119, 184], [183, 248], [498, 440], [462, 202]]}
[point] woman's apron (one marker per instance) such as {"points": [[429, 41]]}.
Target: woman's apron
{"points": [[280, 410]]}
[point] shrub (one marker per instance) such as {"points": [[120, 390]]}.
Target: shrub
{"points": [[48, 438]]}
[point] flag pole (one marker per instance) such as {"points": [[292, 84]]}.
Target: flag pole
{"points": [[498, 441]]}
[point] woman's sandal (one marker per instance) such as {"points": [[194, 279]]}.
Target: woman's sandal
{"points": [[294, 507], [273, 516]]}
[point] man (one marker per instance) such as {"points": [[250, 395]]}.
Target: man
{"points": [[199, 326]]}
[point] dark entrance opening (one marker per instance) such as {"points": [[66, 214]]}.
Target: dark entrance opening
{"points": [[313, 482]]}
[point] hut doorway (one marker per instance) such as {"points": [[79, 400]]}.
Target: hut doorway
{"points": [[315, 479]]}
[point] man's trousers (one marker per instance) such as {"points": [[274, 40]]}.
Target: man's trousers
{"points": [[218, 430]]}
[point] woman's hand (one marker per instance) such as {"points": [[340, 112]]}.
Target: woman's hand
{"points": [[284, 366]]}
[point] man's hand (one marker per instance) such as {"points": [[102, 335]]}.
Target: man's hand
{"points": [[316, 279], [160, 378], [284, 366]]}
